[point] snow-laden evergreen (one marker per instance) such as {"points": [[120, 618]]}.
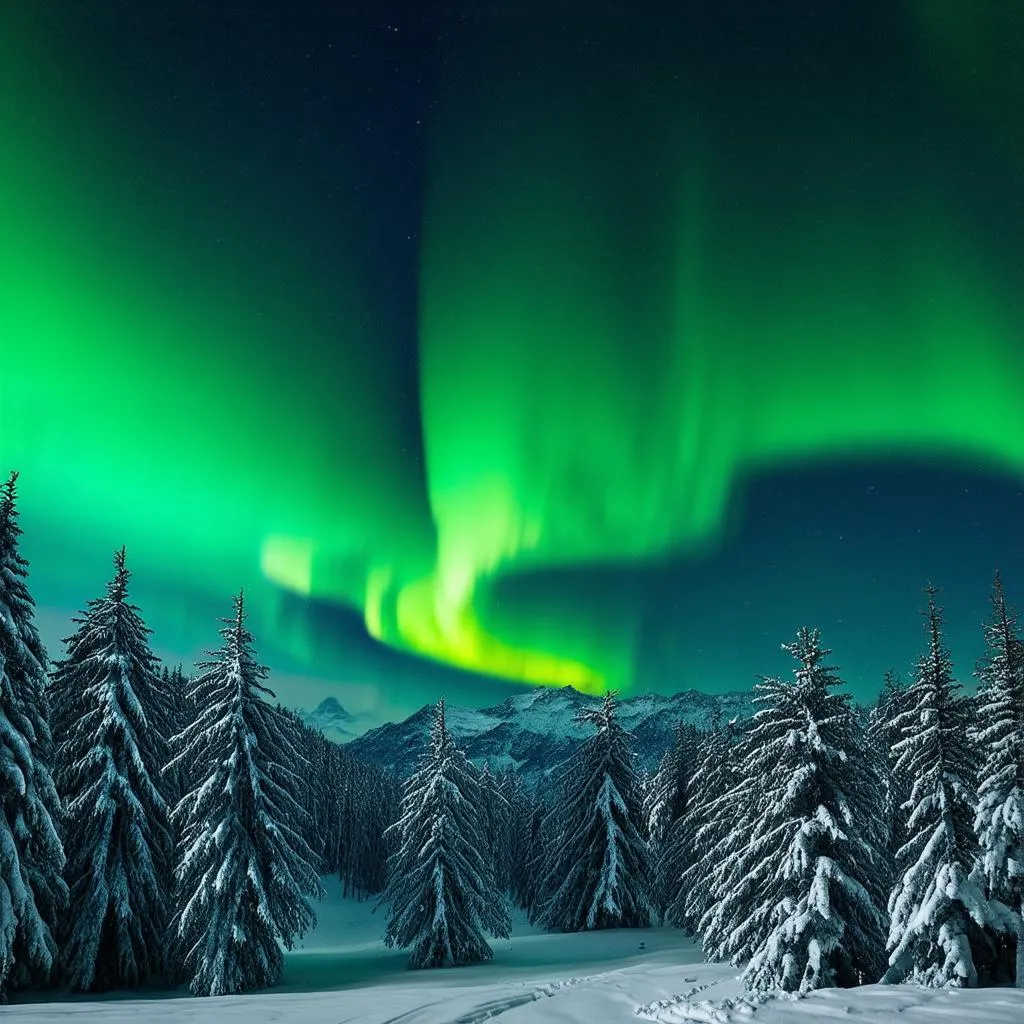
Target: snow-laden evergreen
{"points": [[719, 882], [812, 853], [943, 925], [524, 818], [308, 787], [999, 822], [441, 895], [110, 720], [32, 890], [883, 735], [531, 868], [666, 805], [494, 826], [704, 837], [174, 695], [665, 794], [597, 871], [508, 791], [244, 874]]}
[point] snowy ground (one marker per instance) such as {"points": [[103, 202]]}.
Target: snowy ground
{"points": [[345, 975]]}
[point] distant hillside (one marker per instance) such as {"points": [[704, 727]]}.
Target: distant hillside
{"points": [[534, 731]]}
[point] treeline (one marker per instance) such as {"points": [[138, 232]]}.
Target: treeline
{"points": [[814, 845], [157, 829]]}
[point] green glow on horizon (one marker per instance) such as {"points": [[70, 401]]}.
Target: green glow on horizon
{"points": [[604, 355]]}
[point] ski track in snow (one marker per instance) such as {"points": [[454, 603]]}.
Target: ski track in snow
{"points": [[343, 974]]}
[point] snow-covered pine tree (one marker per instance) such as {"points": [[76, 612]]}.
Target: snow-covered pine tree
{"points": [[813, 853], [883, 735], [326, 768], [666, 807], [523, 829], [508, 790], [648, 783], [107, 705], [530, 870], [645, 782], [175, 687], [21, 643], [492, 817], [707, 833], [322, 806], [440, 892], [244, 874], [942, 924], [174, 691], [597, 872], [716, 897], [999, 822], [32, 889], [307, 788], [665, 799]]}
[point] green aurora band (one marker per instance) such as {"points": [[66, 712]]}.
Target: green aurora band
{"points": [[623, 312]]}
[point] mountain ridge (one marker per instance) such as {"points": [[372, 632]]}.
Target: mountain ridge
{"points": [[531, 733]]}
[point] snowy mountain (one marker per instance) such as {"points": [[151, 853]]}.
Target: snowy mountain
{"points": [[331, 719], [534, 731]]}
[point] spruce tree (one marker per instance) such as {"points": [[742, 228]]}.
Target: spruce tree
{"points": [[493, 812], [173, 689], [440, 893], [943, 926], [32, 890], [530, 869], [507, 792], [666, 809], [597, 872], [883, 736], [244, 873], [814, 913], [706, 836], [306, 789], [667, 797], [523, 834], [108, 705], [721, 894], [329, 771], [999, 822]]}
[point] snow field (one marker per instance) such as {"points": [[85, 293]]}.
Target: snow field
{"points": [[343, 974]]}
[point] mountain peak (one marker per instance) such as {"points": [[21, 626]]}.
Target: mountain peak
{"points": [[331, 719], [330, 706]]}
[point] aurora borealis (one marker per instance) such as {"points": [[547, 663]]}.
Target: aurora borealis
{"points": [[499, 329]]}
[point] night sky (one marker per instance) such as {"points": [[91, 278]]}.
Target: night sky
{"points": [[490, 344]]}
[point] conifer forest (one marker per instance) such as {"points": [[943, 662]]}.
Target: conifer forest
{"points": [[172, 827]]}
